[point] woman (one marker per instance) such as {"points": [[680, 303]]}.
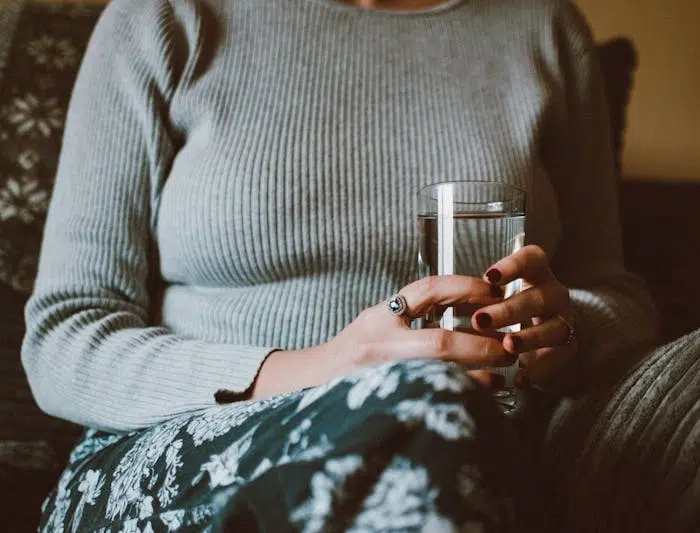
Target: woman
{"points": [[261, 159]]}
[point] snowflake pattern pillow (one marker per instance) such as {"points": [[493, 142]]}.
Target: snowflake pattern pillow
{"points": [[40, 52]]}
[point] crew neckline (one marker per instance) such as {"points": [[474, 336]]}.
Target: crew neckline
{"points": [[446, 5]]}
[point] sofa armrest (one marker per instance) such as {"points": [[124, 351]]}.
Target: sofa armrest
{"points": [[625, 456]]}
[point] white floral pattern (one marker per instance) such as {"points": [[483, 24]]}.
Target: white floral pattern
{"points": [[59, 514], [402, 500], [217, 421], [439, 375], [40, 61], [169, 488], [90, 486], [379, 381], [327, 491], [313, 394], [27, 159], [31, 115], [223, 468], [91, 444], [358, 481], [173, 520], [298, 446], [137, 467], [23, 199], [450, 421], [132, 526], [52, 51]]}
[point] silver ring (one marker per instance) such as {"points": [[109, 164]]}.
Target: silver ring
{"points": [[397, 305], [571, 331]]}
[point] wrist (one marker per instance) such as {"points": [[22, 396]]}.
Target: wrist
{"points": [[289, 370]]}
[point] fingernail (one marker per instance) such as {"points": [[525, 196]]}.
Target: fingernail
{"points": [[517, 343], [497, 291], [494, 275], [484, 320], [522, 381]]}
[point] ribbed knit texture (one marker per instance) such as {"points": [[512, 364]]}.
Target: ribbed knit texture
{"points": [[625, 456], [270, 152]]}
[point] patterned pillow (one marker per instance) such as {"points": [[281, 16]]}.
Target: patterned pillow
{"points": [[41, 46], [40, 51]]}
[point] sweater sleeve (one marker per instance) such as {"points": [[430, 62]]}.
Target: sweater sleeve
{"points": [[614, 310], [90, 353]]}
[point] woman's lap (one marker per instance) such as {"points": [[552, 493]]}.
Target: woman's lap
{"points": [[391, 448]]}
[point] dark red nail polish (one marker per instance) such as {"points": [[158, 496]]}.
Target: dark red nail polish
{"points": [[497, 291], [518, 344], [494, 275], [484, 320]]}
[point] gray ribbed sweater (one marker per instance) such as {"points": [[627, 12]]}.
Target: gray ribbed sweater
{"points": [[270, 152]]}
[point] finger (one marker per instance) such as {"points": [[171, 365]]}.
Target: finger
{"points": [[438, 344], [488, 379], [549, 333], [462, 310], [529, 263], [539, 300], [498, 335], [427, 293]]}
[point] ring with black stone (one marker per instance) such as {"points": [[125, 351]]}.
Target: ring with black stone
{"points": [[397, 305]]}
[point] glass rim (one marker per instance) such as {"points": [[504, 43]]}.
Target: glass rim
{"points": [[436, 184], [513, 204]]}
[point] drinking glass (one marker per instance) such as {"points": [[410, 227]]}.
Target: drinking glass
{"points": [[465, 227]]}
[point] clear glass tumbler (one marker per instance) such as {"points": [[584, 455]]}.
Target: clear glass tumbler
{"points": [[465, 227]]}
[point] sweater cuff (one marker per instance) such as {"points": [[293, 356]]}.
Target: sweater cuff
{"points": [[597, 328], [228, 372], [606, 325]]}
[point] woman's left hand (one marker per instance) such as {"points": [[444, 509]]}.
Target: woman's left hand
{"points": [[548, 347]]}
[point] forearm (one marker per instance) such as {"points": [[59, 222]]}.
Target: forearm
{"points": [[91, 361]]}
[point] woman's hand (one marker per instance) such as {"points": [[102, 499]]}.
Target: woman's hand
{"points": [[377, 336], [548, 347]]}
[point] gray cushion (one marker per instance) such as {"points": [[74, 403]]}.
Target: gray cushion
{"points": [[626, 456]]}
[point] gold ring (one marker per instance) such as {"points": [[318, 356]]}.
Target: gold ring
{"points": [[571, 331]]}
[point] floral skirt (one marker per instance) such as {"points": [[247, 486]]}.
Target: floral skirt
{"points": [[402, 447]]}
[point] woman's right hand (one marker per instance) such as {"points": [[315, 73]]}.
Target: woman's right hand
{"points": [[377, 336]]}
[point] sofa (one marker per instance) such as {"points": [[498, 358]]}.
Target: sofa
{"points": [[628, 446]]}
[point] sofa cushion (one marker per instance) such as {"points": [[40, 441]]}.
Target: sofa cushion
{"points": [[625, 456], [41, 47]]}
